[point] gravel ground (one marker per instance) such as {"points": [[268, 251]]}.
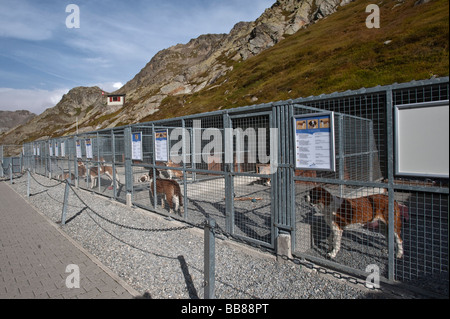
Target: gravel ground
{"points": [[169, 264]]}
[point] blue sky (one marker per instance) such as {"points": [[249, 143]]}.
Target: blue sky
{"points": [[41, 58]]}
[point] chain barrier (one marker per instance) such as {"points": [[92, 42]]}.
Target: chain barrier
{"points": [[302, 262], [126, 226], [46, 186], [111, 221]]}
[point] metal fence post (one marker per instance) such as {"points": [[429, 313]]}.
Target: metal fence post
{"points": [[113, 151], [390, 185], [66, 198], [11, 172], [210, 259], [28, 182], [128, 166], [1, 161]]}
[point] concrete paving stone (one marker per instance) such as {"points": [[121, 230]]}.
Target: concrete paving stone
{"points": [[34, 255]]}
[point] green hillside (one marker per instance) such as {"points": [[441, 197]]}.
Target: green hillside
{"points": [[338, 53]]}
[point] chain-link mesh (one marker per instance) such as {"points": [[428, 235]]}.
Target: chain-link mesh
{"points": [[254, 197]]}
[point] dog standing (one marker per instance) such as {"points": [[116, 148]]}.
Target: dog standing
{"points": [[173, 172], [104, 170], [94, 173], [81, 169], [169, 190], [342, 212]]}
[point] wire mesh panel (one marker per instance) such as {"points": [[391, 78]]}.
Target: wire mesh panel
{"points": [[225, 164], [63, 168], [350, 230], [11, 159], [425, 238], [205, 197], [252, 191], [413, 247]]}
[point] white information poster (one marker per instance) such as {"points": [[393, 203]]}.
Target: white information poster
{"points": [[161, 146], [88, 148], [56, 149], [136, 147], [63, 149], [50, 149], [422, 139], [78, 149], [314, 142]]}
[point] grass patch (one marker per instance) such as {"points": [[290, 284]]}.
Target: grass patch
{"points": [[336, 54]]}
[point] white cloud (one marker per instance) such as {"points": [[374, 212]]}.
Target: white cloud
{"points": [[117, 85], [36, 101], [108, 86], [115, 41]]}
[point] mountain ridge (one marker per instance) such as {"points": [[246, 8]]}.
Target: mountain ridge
{"points": [[189, 68], [10, 119], [284, 54]]}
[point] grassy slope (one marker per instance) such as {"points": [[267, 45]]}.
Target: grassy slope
{"points": [[336, 54]]}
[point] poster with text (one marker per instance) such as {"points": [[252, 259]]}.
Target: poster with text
{"points": [[78, 149], [63, 149], [88, 148], [161, 146], [136, 147], [314, 142]]}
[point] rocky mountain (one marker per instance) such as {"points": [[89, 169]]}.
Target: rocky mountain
{"points": [[85, 104], [189, 68], [295, 48], [11, 119], [179, 70]]}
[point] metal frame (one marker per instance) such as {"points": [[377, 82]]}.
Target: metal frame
{"points": [[398, 155], [209, 190], [331, 143]]}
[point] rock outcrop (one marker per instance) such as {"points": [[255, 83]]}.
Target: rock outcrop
{"points": [[11, 119], [188, 68]]}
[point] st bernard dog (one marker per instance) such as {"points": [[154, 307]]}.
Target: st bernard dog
{"points": [[168, 189], [342, 212]]}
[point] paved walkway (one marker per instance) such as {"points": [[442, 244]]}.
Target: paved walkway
{"points": [[35, 254]]}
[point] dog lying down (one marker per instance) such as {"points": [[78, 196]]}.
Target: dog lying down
{"points": [[342, 212]]}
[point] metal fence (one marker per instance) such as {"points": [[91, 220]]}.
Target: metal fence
{"points": [[10, 160], [239, 166]]}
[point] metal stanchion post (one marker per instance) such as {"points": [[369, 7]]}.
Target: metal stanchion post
{"points": [[66, 199], [28, 182], [209, 259]]}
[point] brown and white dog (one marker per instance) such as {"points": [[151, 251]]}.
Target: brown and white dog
{"points": [[166, 174], [81, 169], [342, 212], [94, 173], [168, 189], [66, 175], [173, 172]]}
